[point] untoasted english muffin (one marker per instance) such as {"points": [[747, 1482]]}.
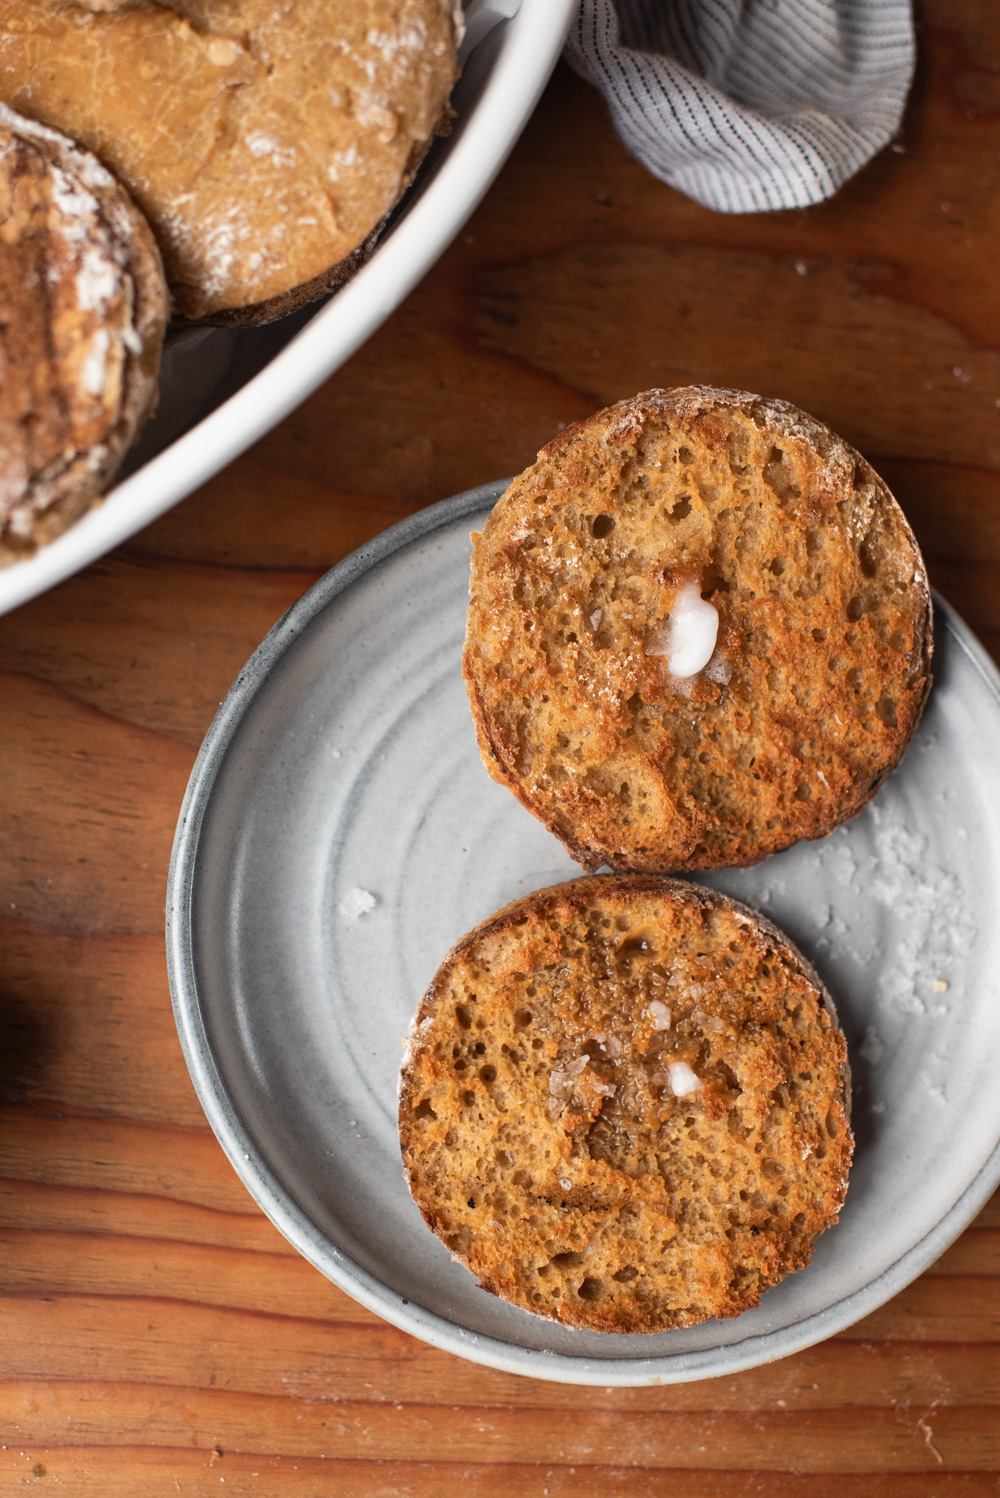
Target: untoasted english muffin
{"points": [[625, 1105], [699, 630], [83, 308], [265, 141]]}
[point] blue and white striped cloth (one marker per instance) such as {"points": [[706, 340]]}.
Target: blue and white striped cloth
{"points": [[749, 105]]}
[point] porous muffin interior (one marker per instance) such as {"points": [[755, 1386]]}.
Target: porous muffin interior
{"points": [[821, 664], [625, 1106]]}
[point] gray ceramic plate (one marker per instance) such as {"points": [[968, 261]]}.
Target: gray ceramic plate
{"points": [[343, 770]]}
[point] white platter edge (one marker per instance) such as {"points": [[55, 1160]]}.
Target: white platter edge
{"points": [[295, 1224], [531, 46]]}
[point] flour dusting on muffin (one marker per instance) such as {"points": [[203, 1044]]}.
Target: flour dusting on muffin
{"points": [[265, 142], [83, 307]]}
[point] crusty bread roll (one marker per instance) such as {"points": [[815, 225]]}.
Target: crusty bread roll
{"points": [[83, 307], [625, 1105], [265, 141], [699, 630]]}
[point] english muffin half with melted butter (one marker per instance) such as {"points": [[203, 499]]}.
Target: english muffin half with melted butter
{"points": [[699, 630], [625, 1105]]}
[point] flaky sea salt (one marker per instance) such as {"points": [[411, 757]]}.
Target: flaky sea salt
{"points": [[357, 902], [660, 1014], [682, 1079], [928, 906], [872, 1048]]}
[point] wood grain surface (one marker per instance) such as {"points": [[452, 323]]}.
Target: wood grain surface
{"points": [[157, 1335]]}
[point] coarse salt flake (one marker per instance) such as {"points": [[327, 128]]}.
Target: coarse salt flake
{"points": [[682, 1079], [357, 902], [660, 1014]]}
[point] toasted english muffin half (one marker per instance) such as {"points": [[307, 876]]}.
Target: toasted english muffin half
{"points": [[625, 1105], [83, 309], [699, 630]]}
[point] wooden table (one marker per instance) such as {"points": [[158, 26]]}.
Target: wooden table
{"points": [[157, 1334]]}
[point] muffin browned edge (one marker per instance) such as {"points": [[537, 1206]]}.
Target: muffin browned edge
{"points": [[790, 421], [256, 314], [578, 893]]}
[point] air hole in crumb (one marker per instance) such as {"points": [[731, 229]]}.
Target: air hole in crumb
{"points": [[625, 1276], [479, 1048], [713, 582], [685, 455], [468, 1098], [681, 509], [855, 608], [819, 635], [867, 558], [523, 1018], [471, 1202], [536, 1044], [463, 1016], [886, 710], [778, 566], [424, 1109], [778, 477], [803, 792], [451, 1138], [853, 678], [591, 1290], [832, 1126], [488, 1073], [566, 1260], [601, 526]]}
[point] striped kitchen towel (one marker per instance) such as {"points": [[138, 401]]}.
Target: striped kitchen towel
{"points": [[748, 105]]}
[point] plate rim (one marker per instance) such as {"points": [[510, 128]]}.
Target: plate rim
{"points": [[294, 1223]]}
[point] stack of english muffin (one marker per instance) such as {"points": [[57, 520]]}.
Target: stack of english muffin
{"points": [[226, 163]]}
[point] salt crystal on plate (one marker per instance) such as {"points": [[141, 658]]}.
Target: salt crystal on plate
{"points": [[357, 902]]}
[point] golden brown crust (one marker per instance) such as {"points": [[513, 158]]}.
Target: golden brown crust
{"points": [[84, 308], [823, 659], [266, 143], [549, 1130], [256, 314]]}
